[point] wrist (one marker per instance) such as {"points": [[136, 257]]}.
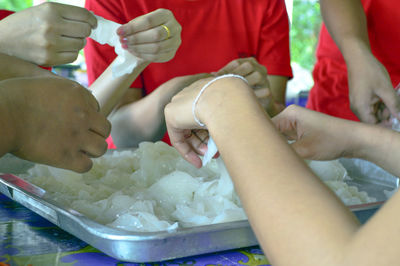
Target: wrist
{"points": [[355, 53], [222, 99], [366, 140]]}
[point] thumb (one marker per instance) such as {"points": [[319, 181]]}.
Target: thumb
{"points": [[364, 112], [392, 102]]}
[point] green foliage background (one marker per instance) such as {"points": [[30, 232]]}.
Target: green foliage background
{"points": [[306, 22], [15, 5]]}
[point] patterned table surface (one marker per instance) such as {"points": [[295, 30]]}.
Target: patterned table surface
{"points": [[28, 239]]}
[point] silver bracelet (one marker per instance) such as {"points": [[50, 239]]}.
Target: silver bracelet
{"points": [[205, 87]]}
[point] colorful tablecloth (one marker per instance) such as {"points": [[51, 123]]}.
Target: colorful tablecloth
{"points": [[28, 239]]}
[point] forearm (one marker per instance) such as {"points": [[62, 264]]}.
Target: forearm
{"points": [[142, 120], [278, 91], [7, 131], [109, 90], [380, 146], [289, 208], [13, 67], [278, 88], [346, 22]]}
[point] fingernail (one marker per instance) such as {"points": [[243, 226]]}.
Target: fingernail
{"points": [[124, 40], [120, 31]]}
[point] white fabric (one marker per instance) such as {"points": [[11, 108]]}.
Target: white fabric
{"points": [[106, 33]]}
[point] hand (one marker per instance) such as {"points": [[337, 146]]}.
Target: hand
{"points": [[184, 132], [48, 34], [317, 136], [146, 37], [257, 76], [372, 98], [186, 135], [54, 121]]}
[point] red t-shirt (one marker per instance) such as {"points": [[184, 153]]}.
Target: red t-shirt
{"points": [[214, 32], [5, 13], [330, 93]]}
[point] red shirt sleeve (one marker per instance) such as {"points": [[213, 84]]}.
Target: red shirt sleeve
{"points": [[5, 13], [274, 40], [99, 57]]}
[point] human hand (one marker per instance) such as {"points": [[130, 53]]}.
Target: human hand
{"points": [[317, 136], [154, 37], [185, 133], [54, 121], [257, 76], [372, 98], [48, 34]]}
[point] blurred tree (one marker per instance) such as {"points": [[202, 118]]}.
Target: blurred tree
{"points": [[15, 5], [304, 32]]}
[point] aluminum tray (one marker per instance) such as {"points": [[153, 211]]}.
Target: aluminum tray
{"points": [[163, 245]]}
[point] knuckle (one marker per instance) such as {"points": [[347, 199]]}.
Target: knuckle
{"points": [[84, 166], [292, 108], [179, 28], [48, 6], [148, 21]]}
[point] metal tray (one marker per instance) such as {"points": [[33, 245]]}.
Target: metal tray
{"points": [[163, 245]]}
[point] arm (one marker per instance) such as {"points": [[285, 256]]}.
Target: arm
{"points": [[369, 81], [16, 67], [143, 118], [48, 34], [146, 39], [321, 137], [290, 210]]}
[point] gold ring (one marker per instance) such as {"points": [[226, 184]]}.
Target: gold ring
{"points": [[167, 30]]}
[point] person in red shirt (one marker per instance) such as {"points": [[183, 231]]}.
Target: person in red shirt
{"points": [[214, 33], [368, 79]]}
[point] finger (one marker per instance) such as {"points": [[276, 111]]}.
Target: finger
{"points": [[365, 113], [91, 100], [80, 14], [392, 102], [198, 143], [68, 44], [284, 123], [80, 163], [229, 67], [100, 125], [155, 47], [256, 79], [65, 57], [146, 22], [244, 69], [93, 144], [75, 29], [262, 93], [178, 140], [153, 35]]}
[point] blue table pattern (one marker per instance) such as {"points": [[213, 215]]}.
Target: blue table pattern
{"points": [[28, 239]]}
